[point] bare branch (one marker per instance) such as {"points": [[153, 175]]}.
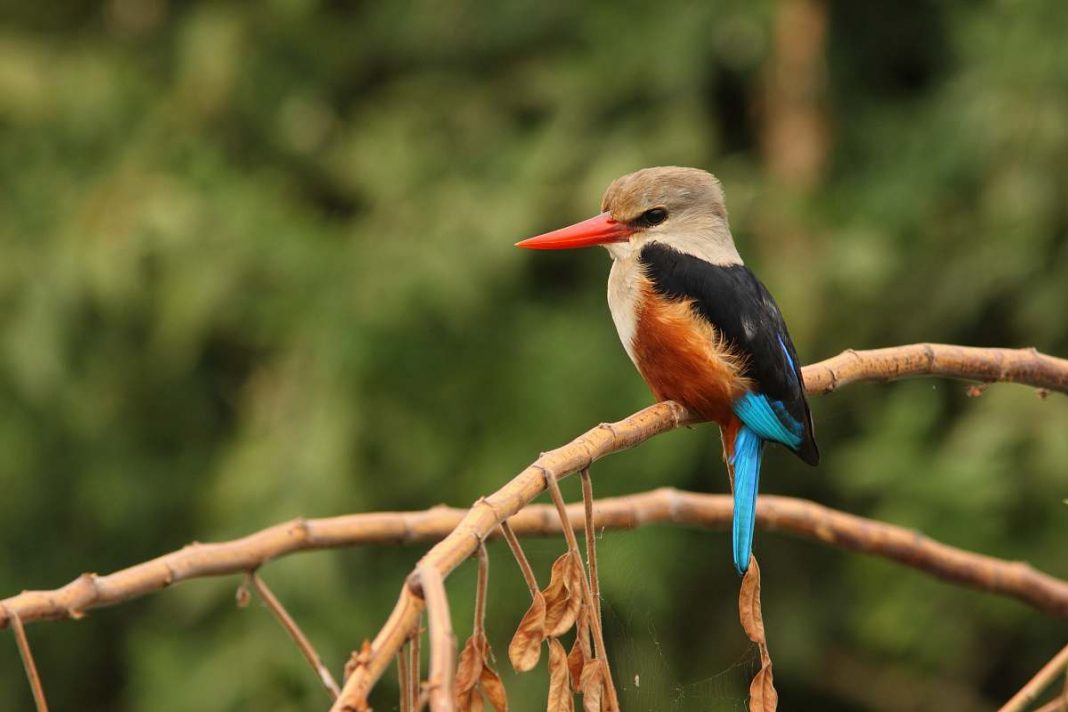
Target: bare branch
{"points": [[27, 662], [442, 639], [1026, 366], [664, 505], [306, 648], [416, 664], [404, 680], [1044, 678]]}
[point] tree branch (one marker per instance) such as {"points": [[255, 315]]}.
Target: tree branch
{"points": [[1026, 366], [661, 506], [442, 639], [466, 528]]}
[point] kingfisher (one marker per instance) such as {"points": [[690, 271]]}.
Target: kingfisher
{"points": [[698, 325]]}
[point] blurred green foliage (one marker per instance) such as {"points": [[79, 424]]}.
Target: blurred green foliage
{"points": [[257, 263]]}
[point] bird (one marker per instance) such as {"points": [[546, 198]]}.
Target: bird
{"points": [[698, 325]]}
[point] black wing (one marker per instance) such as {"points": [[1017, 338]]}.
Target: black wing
{"points": [[742, 310]]}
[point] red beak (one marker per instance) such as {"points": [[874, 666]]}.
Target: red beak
{"points": [[599, 230]]}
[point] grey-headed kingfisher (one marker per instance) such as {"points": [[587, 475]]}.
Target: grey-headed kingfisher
{"points": [[701, 329]]}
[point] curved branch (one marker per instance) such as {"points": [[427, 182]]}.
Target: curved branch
{"points": [[661, 506], [439, 686]]}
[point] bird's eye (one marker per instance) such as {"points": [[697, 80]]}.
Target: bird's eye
{"points": [[652, 217]]}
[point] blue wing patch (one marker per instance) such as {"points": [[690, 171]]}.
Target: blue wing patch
{"points": [[786, 353], [768, 419]]}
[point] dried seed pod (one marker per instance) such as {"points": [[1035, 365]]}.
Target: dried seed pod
{"points": [[563, 595], [576, 661], [493, 689], [580, 649], [469, 667], [560, 697], [525, 649], [476, 682], [591, 685], [762, 694]]}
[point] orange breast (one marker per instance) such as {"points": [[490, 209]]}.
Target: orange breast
{"points": [[683, 359]]}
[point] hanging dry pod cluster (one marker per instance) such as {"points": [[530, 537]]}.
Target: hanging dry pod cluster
{"points": [[477, 683], [570, 598]]}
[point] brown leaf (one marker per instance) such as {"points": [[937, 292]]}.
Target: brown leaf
{"points": [[592, 686], [493, 689], [563, 595], [762, 694], [560, 697], [470, 666], [525, 648]]}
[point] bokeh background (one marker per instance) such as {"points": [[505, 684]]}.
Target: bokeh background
{"points": [[257, 263]]}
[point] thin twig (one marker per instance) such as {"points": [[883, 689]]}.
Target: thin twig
{"points": [[404, 680], [442, 640], [1042, 679], [595, 621], [1056, 705], [28, 663], [480, 592], [520, 558], [416, 663], [306, 648], [591, 541]]}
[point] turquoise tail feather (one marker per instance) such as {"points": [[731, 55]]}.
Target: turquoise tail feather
{"points": [[748, 453]]}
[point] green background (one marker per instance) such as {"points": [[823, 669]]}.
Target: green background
{"points": [[257, 263]]}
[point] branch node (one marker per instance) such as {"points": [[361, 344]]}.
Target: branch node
{"points": [[610, 427]]}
